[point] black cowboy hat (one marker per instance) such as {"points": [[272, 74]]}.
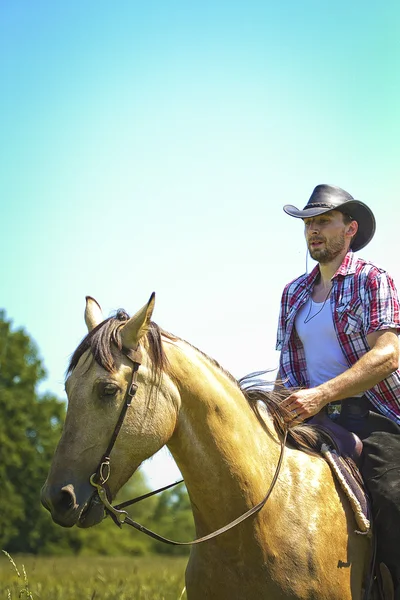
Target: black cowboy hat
{"points": [[330, 197]]}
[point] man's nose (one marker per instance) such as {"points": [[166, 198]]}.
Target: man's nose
{"points": [[312, 227]]}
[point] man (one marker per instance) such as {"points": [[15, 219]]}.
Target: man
{"points": [[338, 337]]}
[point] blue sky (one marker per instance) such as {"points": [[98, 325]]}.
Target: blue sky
{"points": [[151, 146]]}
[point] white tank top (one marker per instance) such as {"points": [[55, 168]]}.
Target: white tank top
{"points": [[324, 356]]}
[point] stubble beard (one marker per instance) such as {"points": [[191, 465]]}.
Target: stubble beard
{"points": [[332, 249]]}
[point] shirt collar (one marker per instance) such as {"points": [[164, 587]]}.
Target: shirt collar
{"points": [[348, 266]]}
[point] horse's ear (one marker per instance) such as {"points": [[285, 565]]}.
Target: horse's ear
{"points": [[138, 325], [93, 313]]}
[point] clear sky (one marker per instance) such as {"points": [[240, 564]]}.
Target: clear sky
{"points": [[151, 146]]}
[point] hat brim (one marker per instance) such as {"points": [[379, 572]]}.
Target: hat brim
{"points": [[355, 208]]}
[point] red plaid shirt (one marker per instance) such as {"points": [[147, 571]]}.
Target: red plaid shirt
{"points": [[363, 300]]}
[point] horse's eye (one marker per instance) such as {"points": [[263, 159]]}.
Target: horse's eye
{"points": [[109, 389]]}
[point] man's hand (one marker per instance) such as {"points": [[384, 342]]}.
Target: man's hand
{"points": [[304, 404]]}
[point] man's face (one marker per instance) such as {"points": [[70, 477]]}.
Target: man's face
{"points": [[326, 236]]}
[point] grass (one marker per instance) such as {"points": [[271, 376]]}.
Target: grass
{"points": [[92, 578]]}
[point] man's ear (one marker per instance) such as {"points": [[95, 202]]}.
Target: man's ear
{"points": [[352, 228]]}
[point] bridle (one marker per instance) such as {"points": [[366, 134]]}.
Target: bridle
{"points": [[100, 478]]}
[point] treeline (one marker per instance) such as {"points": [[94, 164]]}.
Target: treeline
{"points": [[30, 427]]}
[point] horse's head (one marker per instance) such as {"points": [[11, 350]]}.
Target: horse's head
{"points": [[98, 378]]}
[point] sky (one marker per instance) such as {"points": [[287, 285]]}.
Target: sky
{"points": [[150, 146]]}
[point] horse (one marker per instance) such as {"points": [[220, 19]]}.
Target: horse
{"points": [[302, 545]]}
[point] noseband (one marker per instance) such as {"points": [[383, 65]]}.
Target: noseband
{"points": [[100, 478]]}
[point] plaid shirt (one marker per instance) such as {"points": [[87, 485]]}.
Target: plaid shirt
{"points": [[363, 300]]}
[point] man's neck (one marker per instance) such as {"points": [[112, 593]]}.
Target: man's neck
{"points": [[327, 270]]}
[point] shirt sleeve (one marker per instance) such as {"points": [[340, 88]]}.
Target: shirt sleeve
{"points": [[382, 309]]}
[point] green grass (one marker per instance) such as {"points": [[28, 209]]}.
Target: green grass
{"points": [[91, 578]]}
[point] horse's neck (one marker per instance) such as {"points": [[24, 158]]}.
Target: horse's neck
{"points": [[219, 445]]}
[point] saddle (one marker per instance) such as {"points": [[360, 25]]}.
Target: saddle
{"points": [[349, 478], [343, 456]]}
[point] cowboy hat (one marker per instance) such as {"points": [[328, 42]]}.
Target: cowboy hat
{"points": [[331, 197]]}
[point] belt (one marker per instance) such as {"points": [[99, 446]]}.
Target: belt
{"points": [[351, 406]]}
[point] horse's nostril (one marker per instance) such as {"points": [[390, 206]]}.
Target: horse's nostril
{"points": [[67, 498], [59, 501]]}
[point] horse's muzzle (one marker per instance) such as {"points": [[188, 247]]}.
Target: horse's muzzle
{"points": [[66, 510]]}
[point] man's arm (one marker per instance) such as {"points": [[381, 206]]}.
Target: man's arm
{"points": [[377, 364]]}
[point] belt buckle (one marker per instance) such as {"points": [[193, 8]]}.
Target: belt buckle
{"points": [[334, 409]]}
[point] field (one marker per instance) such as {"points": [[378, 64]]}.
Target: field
{"points": [[92, 578]]}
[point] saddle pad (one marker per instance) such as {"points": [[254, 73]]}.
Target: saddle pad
{"points": [[350, 481]]}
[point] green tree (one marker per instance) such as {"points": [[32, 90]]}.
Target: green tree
{"points": [[173, 518], [29, 429]]}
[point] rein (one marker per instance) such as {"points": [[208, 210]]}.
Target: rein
{"points": [[100, 477]]}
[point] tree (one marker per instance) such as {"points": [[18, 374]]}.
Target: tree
{"points": [[29, 429], [174, 519]]}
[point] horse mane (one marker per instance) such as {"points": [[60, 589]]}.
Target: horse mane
{"points": [[258, 391], [106, 337]]}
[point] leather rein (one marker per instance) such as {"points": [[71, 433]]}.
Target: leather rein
{"points": [[100, 477]]}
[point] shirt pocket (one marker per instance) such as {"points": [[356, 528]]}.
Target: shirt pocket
{"points": [[350, 317]]}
